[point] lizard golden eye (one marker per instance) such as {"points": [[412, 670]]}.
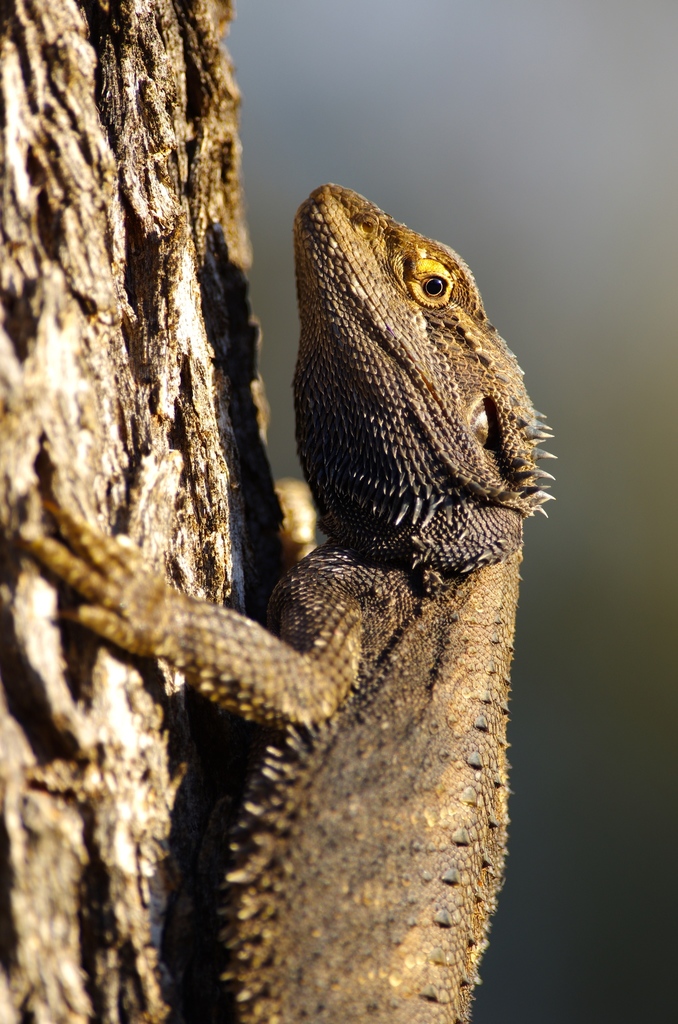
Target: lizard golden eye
{"points": [[428, 281], [435, 287]]}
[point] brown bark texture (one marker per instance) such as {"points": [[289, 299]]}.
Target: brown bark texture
{"points": [[128, 394]]}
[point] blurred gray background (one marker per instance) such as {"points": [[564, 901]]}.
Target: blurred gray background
{"points": [[537, 137]]}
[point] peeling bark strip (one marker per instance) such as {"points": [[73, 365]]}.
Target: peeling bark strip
{"points": [[128, 391]]}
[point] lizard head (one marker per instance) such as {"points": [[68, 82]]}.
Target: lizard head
{"points": [[414, 428]]}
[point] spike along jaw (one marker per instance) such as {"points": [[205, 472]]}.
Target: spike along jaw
{"points": [[414, 429]]}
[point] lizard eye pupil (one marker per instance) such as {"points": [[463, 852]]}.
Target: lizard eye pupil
{"points": [[434, 287]]}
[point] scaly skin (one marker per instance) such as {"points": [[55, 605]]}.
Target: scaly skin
{"points": [[372, 842]]}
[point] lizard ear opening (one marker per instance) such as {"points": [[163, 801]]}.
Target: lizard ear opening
{"points": [[484, 423]]}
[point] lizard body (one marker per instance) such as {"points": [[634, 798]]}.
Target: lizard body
{"points": [[372, 841]]}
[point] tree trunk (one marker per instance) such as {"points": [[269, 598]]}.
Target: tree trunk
{"points": [[129, 394]]}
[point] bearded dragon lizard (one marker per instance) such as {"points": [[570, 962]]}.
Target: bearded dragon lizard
{"points": [[371, 847]]}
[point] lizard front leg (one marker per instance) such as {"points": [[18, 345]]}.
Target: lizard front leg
{"points": [[226, 657]]}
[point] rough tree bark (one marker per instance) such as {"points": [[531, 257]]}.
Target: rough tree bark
{"points": [[128, 393]]}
